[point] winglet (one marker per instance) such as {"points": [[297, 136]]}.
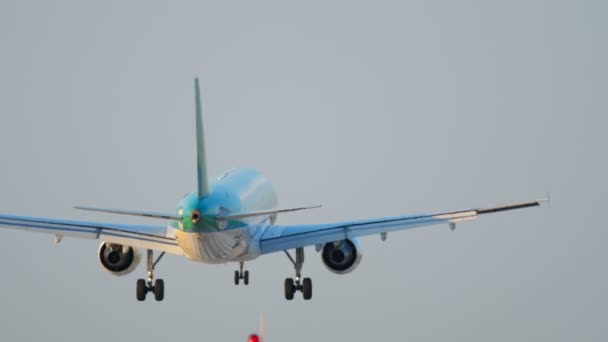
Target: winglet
{"points": [[203, 186]]}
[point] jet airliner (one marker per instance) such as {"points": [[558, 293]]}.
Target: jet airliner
{"points": [[232, 219]]}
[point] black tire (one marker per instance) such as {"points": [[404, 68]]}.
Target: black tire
{"points": [[141, 290], [237, 276], [246, 278], [290, 288], [307, 288], [159, 290]]}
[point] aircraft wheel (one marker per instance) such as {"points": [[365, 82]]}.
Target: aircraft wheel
{"points": [[246, 277], [289, 288], [141, 290], [307, 288], [237, 276], [159, 289]]}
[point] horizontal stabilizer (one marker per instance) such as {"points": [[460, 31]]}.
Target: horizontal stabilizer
{"points": [[133, 213], [261, 213]]}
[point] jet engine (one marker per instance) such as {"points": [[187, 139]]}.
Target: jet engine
{"points": [[118, 259], [342, 256]]}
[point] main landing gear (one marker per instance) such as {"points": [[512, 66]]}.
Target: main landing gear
{"points": [[157, 287], [238, 275], [304, 285]]}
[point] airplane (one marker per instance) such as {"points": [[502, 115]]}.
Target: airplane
{"points": [[232, 220]]}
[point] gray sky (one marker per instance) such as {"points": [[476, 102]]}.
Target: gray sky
{"points": [[371, 108]]}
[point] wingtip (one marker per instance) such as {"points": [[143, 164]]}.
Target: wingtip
{"points": [[547, 199]]}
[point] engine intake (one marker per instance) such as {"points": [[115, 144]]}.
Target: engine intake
{"points": [[342, 256], [118, 259]]}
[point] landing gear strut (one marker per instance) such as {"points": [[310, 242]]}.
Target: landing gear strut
{"points": [[157, 287], [238, 275], [304, 285]]}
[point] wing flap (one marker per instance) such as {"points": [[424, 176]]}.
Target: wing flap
{"points": [[140, 236], [142, 242], [277, 238]]}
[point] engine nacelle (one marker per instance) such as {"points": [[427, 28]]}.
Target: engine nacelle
{"points": [[343, 256], [118, 259]]}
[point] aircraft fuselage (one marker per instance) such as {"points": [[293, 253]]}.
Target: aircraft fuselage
{"points": [[204, 238]]}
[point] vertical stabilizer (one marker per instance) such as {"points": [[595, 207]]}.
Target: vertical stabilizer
{"points": [[201, 164]]}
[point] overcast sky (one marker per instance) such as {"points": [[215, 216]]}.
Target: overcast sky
{"points": [[370, 108]]}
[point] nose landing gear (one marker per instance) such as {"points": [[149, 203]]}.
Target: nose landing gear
{"points": [[238, 275]]}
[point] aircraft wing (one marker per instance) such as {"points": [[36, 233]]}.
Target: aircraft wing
{"points": [[278, 238], [139, 236]]}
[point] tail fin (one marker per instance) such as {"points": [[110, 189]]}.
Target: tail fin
{"points": [[201, 164]]}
